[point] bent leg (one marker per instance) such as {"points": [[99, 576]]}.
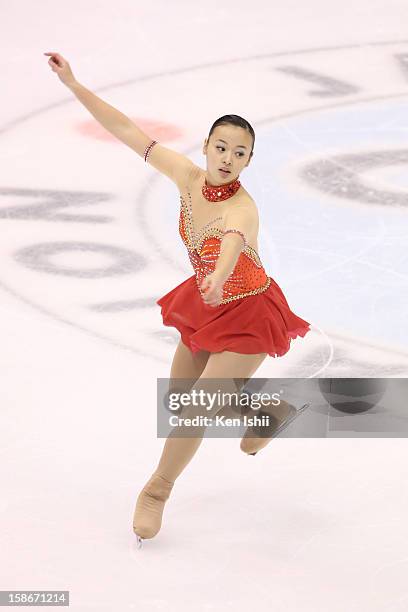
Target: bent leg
{"points": [[178, 450], [186, 364], [190, 366]]}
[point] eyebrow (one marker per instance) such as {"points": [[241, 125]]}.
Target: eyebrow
{"points": [[220, 140]]}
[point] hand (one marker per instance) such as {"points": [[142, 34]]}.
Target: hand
{"points": [[62, 68], [212, 286]]}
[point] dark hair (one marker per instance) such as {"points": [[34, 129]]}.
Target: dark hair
{"points": [[235, 120]]}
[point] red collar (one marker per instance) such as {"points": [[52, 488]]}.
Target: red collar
{"points": [[218, 193]]}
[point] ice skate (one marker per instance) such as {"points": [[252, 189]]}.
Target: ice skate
{"points": [[148, 513], [250, 444]]}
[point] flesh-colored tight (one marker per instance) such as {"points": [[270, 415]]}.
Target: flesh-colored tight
{"points": [[178, 451]]}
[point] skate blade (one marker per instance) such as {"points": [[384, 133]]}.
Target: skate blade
{"points": [[294, 415]]}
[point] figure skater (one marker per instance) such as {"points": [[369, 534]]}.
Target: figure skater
{"points": [[230, 313]]}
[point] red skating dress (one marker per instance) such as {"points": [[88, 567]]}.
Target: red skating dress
{"points": [[253, 316]]}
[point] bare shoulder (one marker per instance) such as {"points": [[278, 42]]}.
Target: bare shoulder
{"points": [[247, 206], [243, 216]]}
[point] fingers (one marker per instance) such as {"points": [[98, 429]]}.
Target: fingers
{"points": [[211, 295], [213, 303], [205, 286], [55, 58], [211, 299]]}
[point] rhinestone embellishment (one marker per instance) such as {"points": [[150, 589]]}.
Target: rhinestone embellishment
{"points": [[219, 193], [248, 277]]}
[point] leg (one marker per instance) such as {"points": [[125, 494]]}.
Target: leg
{"points": [[151, 500], [190, 366], [187, 364], [178, 451], [256, 438]]}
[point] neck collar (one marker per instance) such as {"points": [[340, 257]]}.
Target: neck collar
{"points": [[218, 193]]}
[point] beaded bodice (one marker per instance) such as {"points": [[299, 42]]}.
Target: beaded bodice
{"points": [[248, 276]]}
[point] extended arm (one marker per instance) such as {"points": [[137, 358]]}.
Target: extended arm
{"points": [[174, 165]]}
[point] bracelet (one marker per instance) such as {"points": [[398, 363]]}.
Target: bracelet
{"points": [[148, 149]]}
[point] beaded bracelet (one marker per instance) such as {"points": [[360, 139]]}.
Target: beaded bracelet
{"points": [[148, 149], [238, 232]]}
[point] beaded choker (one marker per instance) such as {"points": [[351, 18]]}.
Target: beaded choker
{"points": [[218, 193]]}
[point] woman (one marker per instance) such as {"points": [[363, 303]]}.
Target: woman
{"points": [[229, 313]]}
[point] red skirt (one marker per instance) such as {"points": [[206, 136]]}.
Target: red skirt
{"points": [[261, 323]]}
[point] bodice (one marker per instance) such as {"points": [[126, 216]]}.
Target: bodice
{"points": [[247, 278]]}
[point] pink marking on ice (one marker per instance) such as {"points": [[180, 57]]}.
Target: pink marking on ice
{"points": [[158, 130]]}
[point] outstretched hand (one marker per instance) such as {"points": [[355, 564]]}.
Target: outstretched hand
{"points": [[212, 287], [61, 67]]}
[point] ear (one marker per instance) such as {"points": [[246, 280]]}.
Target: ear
{"points": [[205, 146]]}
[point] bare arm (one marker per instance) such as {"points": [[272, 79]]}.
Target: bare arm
{"points": [[241, 222], [113, 120], [174, 165], [245, 221]]}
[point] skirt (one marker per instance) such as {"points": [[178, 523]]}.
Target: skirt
{"points": [[261, 323]]}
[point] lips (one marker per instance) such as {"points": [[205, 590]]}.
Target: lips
{"points": [[224, 171]]}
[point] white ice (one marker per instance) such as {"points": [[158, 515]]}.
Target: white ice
{"points": [[308, 524]]}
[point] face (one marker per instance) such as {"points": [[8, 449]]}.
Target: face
{"points": [[229, 147]]}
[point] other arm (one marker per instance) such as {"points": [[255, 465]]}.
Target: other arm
{"points": [[240, 223]]}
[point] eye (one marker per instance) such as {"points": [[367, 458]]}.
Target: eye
{"points": [[239, 153]]}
